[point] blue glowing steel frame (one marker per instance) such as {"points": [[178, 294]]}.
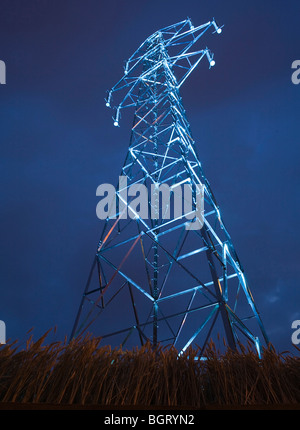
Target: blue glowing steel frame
{"points": [[192, 279]]}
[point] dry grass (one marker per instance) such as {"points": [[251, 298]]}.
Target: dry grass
{"points": [[84, 373]]}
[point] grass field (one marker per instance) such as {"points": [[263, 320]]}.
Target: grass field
{"points": [[84, 373]]}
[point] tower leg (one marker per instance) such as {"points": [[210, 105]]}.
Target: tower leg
{"points": [[223, 311]]}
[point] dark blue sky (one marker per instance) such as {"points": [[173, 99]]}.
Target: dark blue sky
{"points": [[58, 144]]}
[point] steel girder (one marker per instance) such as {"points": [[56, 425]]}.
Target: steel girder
{"points": [[154, 279]]}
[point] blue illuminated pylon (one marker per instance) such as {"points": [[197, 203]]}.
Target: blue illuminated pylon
{"points": [[155, 279]]}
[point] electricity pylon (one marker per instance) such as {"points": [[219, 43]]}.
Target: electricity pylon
{"points": [[160, 279]]}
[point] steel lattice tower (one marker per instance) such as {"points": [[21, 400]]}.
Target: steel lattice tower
{"points": [[155, 279]]}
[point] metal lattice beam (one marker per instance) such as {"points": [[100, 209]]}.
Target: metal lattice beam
{"points": [[184, 285]]}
